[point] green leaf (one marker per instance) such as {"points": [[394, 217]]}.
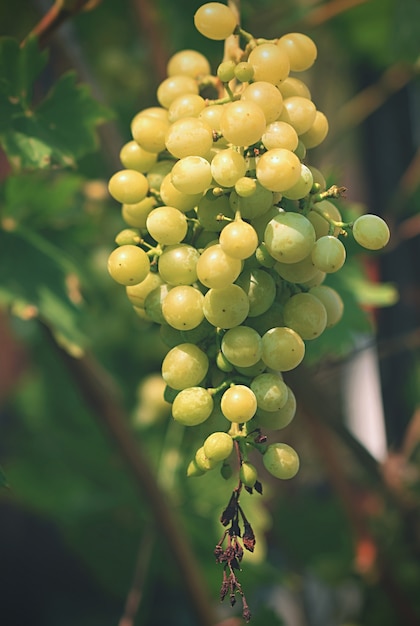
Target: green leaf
{"points": [[19, 67]]}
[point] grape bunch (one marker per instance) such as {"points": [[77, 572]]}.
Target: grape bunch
{"points": [[230, 233]]}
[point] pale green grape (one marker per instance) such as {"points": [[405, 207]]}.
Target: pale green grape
{"points": [[153, 303], [172, 337], [187, 105], [281, 461], [167, 225], [183, 307], [203, 463], [306, 315], [215, 20], [299, 272], [320, 217], [238, 404], [271, 318], [211, 210], [170, 196], [189, 136], [218, 446], [216, 269], [173, 87], [270, 390], [328, 254], [298, 112], [278, 169], [300, 49], [269, 63], [177, 264], [238, 239], [227, 307], [289, 237], [277, 420], [280, 135], [332, 301], [302, 187], [193, 470], [128, 265], [267, 96], [282, 348], [318, 177], [242, 122], [292, 86], [248, 474], [371, 232], [260, 288], [192, 406], [184, 366], [137, 294], [150, 132], [188, 63], [242, 346], [134, 157], [260, 222], [135, 215], [227, 166], [192, 175], [317, 132], [252, 370], [128, 186], [244, 72], [254, 205]]}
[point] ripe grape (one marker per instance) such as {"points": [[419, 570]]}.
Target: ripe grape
{"points": [[238, 404], [215, 20], [184, 366], [270, 390], [218, 446], [192, 406], [238, 239], [306, 315], [300, 49], [289, 237], [282, 348], [242, 122], [167, 225], [278, 169], [371, 232], [177, 264], [128, 265], [226, 307], [242, 346], [182, 308], [128, 186], [281, 460], [216, 269]]}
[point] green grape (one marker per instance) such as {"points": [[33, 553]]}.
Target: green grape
{"points": [[211, 210], [280, 135], [172, 337], [266, 96], [305, 314], [189, 136], [317, 132], [260, 288], [270, 390], [173, 87], [282, 348], [292, 86], [226, 71], [128, 186], [238, 404], [172, 197], [300, 49], [245, 186], [242, 346], [254, 205], [177, 264], [128, 236], [150, 132], [182, 308], [248, 474], [260, 222], [192, 175], [281, 461], [238, 239], [188, 63], [218, 446], [211, 115], [153, 303], [202, 462], [298, 112], [222, 363], [187, 105], [128, 265], [318, 177], [244, 72], [134, 157], [137, 294], [192, 406], [277, 420], [216, 269], [289, 237], [302, 187], [242, 122], [215, 20], [193, 470], [226, 307], [271, 318], [136, 214], [299, 272], [371, 232], [328, 254], [332, 301], [184, 366], [227, 167], [320, 217], [167, 225], [270, 63], [278, 169], [252, 370]]}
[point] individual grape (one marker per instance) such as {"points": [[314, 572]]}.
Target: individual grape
{"points": [[177, 264], [300, 150], [150, 132], [218, 446], [266, 96], [242, 122], [211, 210], [172, 337], [302, 187], [137, 294], [289, 237], [254, 205], [156, 112], [184, 366], [215, 20], [328, 254], [252, 370], [238, 239], [248, 474], [242, 346], [282, 348], [305, 314], [128, 186], [135, 215], [226, 71], [292, 86], [193, 470], [238, 404], [280, 135], [318, 177], [270, 63], [316, 280], [157, 174], [278, 169], [245, 186], [192, 406], [270, 390], [271, 318], [317, 132], [128, 236], [179, 200], [281, 461], [332, 301], [227, 166], [371, 232], [260, 288], [188, 63], [167, 225], [153, 303], [244, 72], [134, 157], [173, 87], [298, 112], [128, 265], [192, 174], [320, 217], [226, 307], [299, 272], [203, 463], [211, 115], [260, 224], [189, 136], [277, 420], [187, 105], [216, 269], [183, 307], [300, 49]]}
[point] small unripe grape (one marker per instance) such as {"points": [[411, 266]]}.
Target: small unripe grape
{"points": [[218, 446], [128, 265], [202, 462], [244, 72], [215, 20], [238, 404], [281, 460], [226, 71], [371, 232], [245, 186], [248, 474]]}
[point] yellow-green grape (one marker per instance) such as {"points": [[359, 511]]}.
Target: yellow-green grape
{"points": [[153, 303], [318, 177], [270, 63], [242, 122], [292, 86], [238, 404], [242, 346], [244, 72], [248, 474], [332, 301], [128, 186], [179, 200], [320, 217], [189, 136], [157, 174], [305, 314], [134, 157], [245, 186], [177, 264], [227, 307], [227, 166], [192, 175], [173, 87], [167, 225], [267, 96], [183, 307], [281, 460], [188, 63], [128, 236], [193, 470], [260, 222], [172, 337], [215, 20], [300, 150], [272, 318], [226, 71], [328, 254], [317, 132], [252, 370], [260, 288], [216, 269], [371, 232], [270, 390], [187, 105], [289, 237], [278, 169], [280, 135], [302, 187], [222, 363], [137, 294], [298, 112], [253, 205], [136, 214], [128, 265], [238, 239], [184, 366], [192, 406], [218, 446], [282, 348], [150, 131], [299, 272], [212, 114], [277, 420], [300, 49], [202, 461], [211, 210]]}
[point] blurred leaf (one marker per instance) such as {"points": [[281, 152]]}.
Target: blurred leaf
{"points": [[19, 67], [3, 479]]}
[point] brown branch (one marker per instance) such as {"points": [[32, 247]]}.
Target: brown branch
{"points": [[151, 30]]}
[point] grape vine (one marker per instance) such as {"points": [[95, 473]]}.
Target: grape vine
{"points": [[230, 233]]}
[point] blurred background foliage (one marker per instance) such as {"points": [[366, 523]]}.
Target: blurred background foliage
{"points": [[339, 545]]}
